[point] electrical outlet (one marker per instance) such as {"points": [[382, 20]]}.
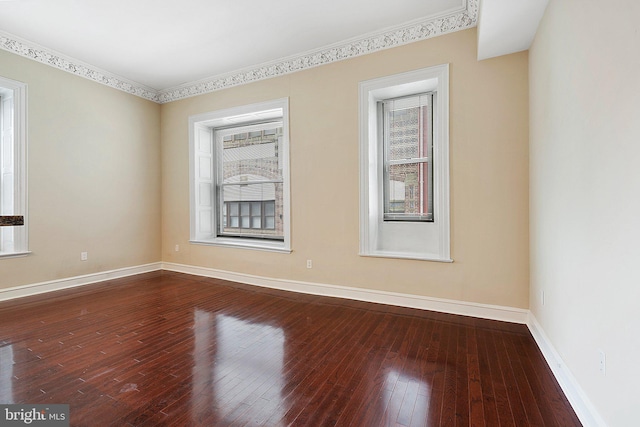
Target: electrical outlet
{"points": [[84, 256], [542, 297], [602, 363], [309, 263], [177, 248]]}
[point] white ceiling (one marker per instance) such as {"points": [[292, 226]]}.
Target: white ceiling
{"points": [[170, 49]]}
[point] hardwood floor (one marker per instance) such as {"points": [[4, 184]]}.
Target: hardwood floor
{"points": [[168, 349]]}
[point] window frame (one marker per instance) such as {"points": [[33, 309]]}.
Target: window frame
{"points": [[19, 142], [203, 126], [422, 240]]}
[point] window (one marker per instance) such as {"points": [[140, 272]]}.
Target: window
{"points": [[408, 154], [404, 165], [249, 184], [240, 177], [252, 217], [13, 150]]}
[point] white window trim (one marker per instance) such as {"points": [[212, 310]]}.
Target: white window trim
{"points": [[410, 241], [238, 116], [20, 164]]}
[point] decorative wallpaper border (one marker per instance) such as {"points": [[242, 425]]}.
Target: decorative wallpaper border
{"points": [[398, 36]]}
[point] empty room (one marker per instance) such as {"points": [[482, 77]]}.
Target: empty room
{"points": [[360, 213]]}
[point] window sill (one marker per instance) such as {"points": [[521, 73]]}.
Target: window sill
{"points": [[244, 244], [4, 255], [401, 255]]}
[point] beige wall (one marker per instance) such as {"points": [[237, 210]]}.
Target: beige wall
{"points": [[93, 176], [489, 177], [585, 204]]}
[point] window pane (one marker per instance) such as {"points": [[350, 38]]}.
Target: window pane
{"points": [[249, 213], [244, 223], [269, 208], [270, 222], [408, 190], [255, 209]]}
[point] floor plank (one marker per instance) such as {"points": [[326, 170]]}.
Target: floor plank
{"points": [[169, 349]]}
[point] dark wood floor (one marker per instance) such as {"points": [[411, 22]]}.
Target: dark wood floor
{"points": [[168, 349]]}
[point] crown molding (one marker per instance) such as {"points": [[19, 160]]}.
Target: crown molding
{"points": [[461, 19], [57, 60]]}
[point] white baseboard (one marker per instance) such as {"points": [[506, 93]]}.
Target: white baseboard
{"points": [[581, 404], [485, 311], [72, 282]]}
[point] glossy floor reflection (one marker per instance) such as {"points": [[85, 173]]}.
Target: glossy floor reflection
{"points": [[234, 358], [167, 349]]}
